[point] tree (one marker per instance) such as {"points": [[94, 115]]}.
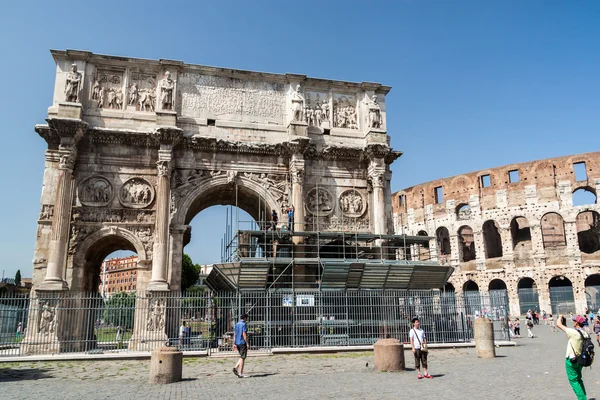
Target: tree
{"points": [[119, 310], [189, 272], [18, 278]]}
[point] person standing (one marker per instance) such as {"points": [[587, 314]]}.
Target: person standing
{"points": [[517, 326], [182, 330], [597, 329], [574, 346], [551, 320], [274, 219], [529, 328], [418, 343], [240, 343]]}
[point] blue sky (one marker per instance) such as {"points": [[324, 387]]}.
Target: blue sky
{"points": [[476, 84]]}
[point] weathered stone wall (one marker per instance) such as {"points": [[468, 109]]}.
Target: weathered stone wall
{"points": [[518, 220]]}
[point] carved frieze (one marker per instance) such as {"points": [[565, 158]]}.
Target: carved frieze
{"points": [[276, 185], [334, 223], [206, 95], [136, 193], [344, 111], [78, 234], [95, 191], [109, 215], [319, 202], [107, 89], [47, 212], [352, 203]]}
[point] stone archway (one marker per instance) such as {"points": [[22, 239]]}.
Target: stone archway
{"points": [[562, 300], [528, 295]]}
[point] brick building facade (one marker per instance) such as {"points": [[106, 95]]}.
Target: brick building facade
{"points": [[118, 275]]}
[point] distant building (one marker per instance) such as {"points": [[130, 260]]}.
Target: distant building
{"points": [[118, 275]]}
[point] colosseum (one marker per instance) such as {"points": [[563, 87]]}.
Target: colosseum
{"points": [[532, 229]]}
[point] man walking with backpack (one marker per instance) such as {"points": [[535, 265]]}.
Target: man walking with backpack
{"points": [[578, 353]]}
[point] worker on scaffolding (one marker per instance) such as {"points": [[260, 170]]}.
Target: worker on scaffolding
{"points": [[275, 219], [290, 215]]}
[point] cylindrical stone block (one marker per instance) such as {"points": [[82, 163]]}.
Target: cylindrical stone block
{"points": [[166, 364], [484, 338], [389, 355]]}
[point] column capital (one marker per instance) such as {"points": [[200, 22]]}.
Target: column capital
{"points": [[163, 168], [297, 147], [167, 136]]}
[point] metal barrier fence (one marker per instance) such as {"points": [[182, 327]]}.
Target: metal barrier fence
{"points": [[68, 323]]}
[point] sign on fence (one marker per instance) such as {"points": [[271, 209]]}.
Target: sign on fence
{"points": [[305, 301]]}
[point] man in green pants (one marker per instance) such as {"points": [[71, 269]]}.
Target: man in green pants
{"points": [[574, 347]]}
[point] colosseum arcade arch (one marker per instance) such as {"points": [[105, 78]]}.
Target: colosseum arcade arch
{"points": [[562, 300], [553, 230], [521, 234], [528, 295], [592, 292], [443, 242], [472, 297]]}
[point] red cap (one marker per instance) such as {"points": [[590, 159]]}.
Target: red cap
{"points": [[579, 319]]}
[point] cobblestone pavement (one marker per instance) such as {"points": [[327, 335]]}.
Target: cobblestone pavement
{"points": [[535, 369]]}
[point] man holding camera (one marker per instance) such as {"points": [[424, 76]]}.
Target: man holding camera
{"points": [[574, 347]]}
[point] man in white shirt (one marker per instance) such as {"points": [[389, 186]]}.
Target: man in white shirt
{"points": [[417, 340], [574, 347]]}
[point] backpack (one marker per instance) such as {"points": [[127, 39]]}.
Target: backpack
{"points": [[586, 358]]}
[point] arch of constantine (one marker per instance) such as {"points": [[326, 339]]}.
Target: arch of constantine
{"points": [[515, 228], [137, 148]]}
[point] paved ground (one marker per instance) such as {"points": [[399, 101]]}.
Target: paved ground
{"points": [[533, 370]]}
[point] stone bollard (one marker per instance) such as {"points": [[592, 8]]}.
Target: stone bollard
{"points": [[389, 355], [484, 338], [165, 365]]}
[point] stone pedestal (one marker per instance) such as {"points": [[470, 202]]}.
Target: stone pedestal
{"points": [[484, 338], [298, 128], [389, 355], [149, 328], [166, 365], [43, 325], [166, 118], [70, 110], [376, 136]]}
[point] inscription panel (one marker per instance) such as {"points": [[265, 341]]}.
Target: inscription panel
{"points": [[208, 96]]}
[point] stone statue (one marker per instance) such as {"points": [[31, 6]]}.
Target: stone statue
{"points": [[374, 113], [133, 94], [147, 98], [297, 105], [112, 95], [156, 320], [73, 85], [166, 92]]}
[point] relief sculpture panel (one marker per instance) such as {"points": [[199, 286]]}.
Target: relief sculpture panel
{"points": [[319, 202], [107, 89], [352, 203], [213, 96], [344, 111], [136, 193], [95, 191], [142, 91], [317, 108]]}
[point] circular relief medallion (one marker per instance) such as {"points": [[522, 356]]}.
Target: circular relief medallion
{"points": [[320, 202], [95, 191], [352, 203], [136, 193]]}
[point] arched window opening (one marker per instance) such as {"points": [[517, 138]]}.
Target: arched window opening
{"points": [[584, 196], [521, 233], [443, 240], [588, 231], [553, 230], [470, 286], [467, 244], [463, 211], [492, 240], [497, 284]]}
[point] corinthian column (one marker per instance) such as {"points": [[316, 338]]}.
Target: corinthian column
{"points": [[168, 137], [161, 236], [378, 204], [59, 236], [297, 172]]}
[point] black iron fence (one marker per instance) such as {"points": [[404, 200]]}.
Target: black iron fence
{"points": [[204, 321]]}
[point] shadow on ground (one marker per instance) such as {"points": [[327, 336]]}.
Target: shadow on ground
{"points": [[31, 374]]}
